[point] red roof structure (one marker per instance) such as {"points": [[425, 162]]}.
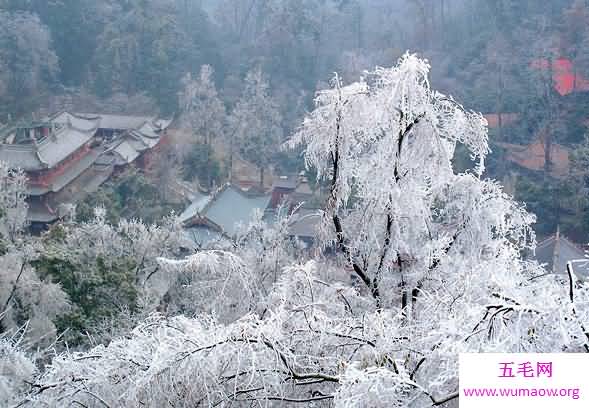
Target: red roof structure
{"points": [[506, 119], [566, 79], [533, 157]]}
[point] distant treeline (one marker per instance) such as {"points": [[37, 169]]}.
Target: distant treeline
{"points": [[132, 54]]}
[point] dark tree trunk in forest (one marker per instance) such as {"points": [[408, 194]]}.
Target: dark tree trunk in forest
{"points": [[231, 159], [547, 151], [442, 31], [208, 149], [500, 90], [551, 118]]}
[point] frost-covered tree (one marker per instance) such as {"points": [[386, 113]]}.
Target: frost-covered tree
{"points": [[109, 270], [397, 209], [17, 370], [203, 113], [116, 274], [27, 299], [13, 208], [256, 122], [28, 303], [436, 257], [229, 279], [202, 110], [28, 63], [266, 246]]}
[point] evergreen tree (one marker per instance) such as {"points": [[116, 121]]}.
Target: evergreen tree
{"points": [[256, 122]]}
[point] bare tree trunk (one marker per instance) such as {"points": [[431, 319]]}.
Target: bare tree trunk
{"points": [[208, 148], [11, 295], [421, 10], [359, 37], [231, 158], [443, 14], [442, 31], [551, 118], [547, 151], [500, 101]]}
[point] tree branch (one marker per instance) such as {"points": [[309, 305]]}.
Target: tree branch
{"points": [[447, 398], [286, 399], [341, 241], [402, 135], [14, 286], [572, 299]]}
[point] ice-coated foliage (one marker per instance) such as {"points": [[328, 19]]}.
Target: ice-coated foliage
{"points": [[26, 299], [192, 362], [13, 208], [435, 259], [385, 145], [268, 248], [202, 110], [255, 122], [27, 60], [84, 243], [211, 282], [230, 281], [28, 302], [17, 371], [112, 268]]}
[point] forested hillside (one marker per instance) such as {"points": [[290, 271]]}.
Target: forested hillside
{"points": [[132, 55], [485, 48]]}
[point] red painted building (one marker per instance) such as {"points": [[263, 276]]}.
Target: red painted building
{"points": [[70, 155], [565, 77]]}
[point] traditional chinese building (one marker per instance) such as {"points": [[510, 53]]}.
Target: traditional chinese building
{"points": [[557, 250], [497, 120], [539, 156], [566, 78], [112, 126], [220, 213], [53, 154], [68, 155], [215, 218], [139, 144]]}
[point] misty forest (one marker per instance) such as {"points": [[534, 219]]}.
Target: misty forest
{"points": [[299, 203]]}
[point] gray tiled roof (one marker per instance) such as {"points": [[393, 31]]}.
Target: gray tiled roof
{"points": [[305, 223], [226, 208], [22, 156], [47, 152], [53, 150], [556, 251], [77, 122], [131, 144], [143, 142], [126, 151], [230, 207], [118, 122], [75, 170], [204, 237], [149, 130], [93, 179], [196, 206], [163, 123], [147, 125], [289, 182], [142, 132]]}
